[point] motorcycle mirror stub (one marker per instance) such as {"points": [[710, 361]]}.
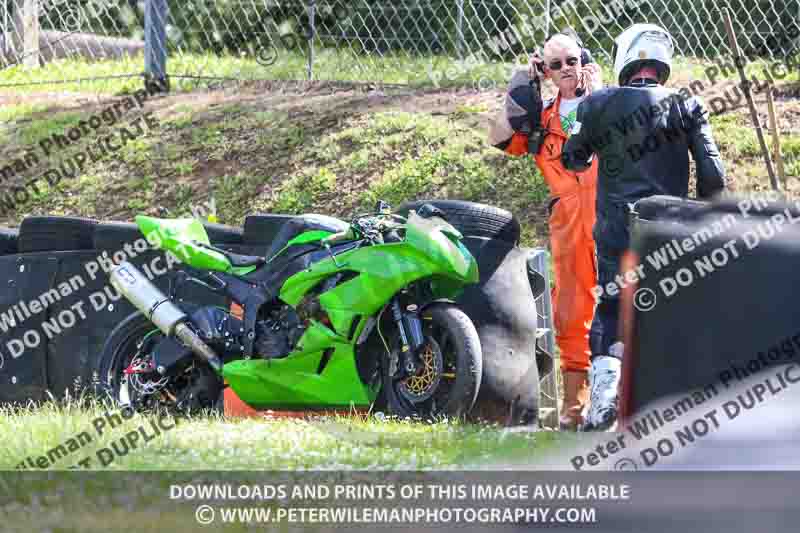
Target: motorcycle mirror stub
{"points": [[383, 208], [430, 210]]}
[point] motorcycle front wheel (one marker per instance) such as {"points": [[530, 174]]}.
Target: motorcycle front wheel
{"points": [[449, 378]]}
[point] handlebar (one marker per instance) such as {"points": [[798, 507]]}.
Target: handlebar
{"points": [[337, 237], [371, 223]]}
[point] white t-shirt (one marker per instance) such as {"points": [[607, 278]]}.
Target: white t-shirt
{"points": [[569, 111]]}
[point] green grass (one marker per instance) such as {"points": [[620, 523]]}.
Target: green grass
{"points": [[330, 442], [189, 70], [292, 165], [19, 111], [308, 188], [38, 130], [740, 139], [239, 449], [186, 70]]}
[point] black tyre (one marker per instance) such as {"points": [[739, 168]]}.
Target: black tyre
{"points": [[9, 241], [195, 389], [449, 381], [262, 229], [114, 235], [52, 234], [473, 219]]}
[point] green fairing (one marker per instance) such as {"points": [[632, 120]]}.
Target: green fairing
{"points": [[293, 382], [431, 249], [303, 238], [179, 236], [309, 236]]}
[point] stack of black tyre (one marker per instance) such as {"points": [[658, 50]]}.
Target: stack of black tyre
{"points": [[715, 302], [42, 254]]}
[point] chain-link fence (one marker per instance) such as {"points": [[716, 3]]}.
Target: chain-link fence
{"points": [[392, 41], [55, 41]]}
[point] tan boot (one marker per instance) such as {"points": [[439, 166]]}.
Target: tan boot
{"points": [[576, 395]]}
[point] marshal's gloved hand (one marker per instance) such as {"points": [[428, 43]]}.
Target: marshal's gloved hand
{"points": [[521, 112]]}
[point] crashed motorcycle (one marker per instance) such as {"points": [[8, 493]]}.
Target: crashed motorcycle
{"points": [[338, 316]]}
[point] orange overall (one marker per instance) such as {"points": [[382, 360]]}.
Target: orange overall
{"points": [[571, 222]]}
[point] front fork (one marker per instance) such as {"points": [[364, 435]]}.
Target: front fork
{"points": [[409, 325]]}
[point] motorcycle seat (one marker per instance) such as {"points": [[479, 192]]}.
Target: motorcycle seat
{"points": [[300, 224]]}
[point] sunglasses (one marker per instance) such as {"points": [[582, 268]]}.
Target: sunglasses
{"points": [[556, 65]]}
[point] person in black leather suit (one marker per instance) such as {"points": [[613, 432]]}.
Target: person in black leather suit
{"points": [[642, 133]]}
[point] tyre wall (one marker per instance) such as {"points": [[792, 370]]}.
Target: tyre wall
{"points": [[57, 308], [503, 310], [726, 306]]}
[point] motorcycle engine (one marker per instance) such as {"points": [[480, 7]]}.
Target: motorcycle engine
{"points": [[277, 331], [275, 335], [278, 334]]}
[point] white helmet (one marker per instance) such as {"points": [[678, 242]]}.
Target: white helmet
{"points": [[639, 44]]}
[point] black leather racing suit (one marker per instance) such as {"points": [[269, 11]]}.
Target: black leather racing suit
{"points": [[642, 136]]}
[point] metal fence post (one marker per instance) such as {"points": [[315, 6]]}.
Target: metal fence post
{"points": [[312, 11], [155, 43], [460, 29]]}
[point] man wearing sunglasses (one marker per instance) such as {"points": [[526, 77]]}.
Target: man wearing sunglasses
{"points": [[613, 125], [529, 125]]}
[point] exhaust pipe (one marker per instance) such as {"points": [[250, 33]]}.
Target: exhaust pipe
{"points": [[160, 310]]}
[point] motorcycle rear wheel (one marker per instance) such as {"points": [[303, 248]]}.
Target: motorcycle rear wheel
{"points": [[197, 388]]}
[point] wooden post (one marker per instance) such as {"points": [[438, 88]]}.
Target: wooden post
{"points": [[776, 139], [739, 60], [25, 40], [31, 34]]}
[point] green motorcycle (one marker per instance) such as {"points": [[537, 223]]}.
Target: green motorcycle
{"points": [[337, 316]]}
